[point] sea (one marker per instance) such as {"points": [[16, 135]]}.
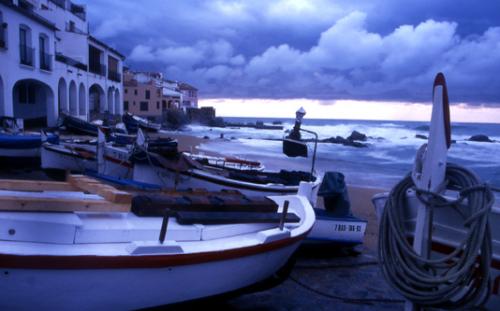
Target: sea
{"points": [[388, 157]]}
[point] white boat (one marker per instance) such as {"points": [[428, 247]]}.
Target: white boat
{"points": [[435, 245], [19, 144], [66, 249], [174, 173], [81, 156], [233, 163]]}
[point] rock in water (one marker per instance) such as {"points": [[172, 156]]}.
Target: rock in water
{"points": [[355, 135], [421, 136], [480, 138], [422, 128]]}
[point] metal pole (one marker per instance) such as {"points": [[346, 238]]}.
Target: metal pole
{"points": [[164, 224], [314, 152], [283, 215]]}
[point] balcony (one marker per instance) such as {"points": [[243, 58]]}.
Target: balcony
{"points": [[79, 11], [3, 36], [114, 76], [26, 54], [71, 27], [98, 69], [59, 3], [69, 61], [45, 61]]}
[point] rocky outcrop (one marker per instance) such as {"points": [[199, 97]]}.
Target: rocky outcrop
{"points": [[357, 136], [344, 141], [422, 128], [481, 138]]}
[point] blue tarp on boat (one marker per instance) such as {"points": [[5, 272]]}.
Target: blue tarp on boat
{"points": [[24, 141]]}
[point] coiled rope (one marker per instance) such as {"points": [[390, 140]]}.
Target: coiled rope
{"points": [[458, 279]]}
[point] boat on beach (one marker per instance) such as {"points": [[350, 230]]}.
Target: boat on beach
{"points": [[15, 143], [133, 123], [182, 172], [439, 226], [84, 245], [233, 163], [81, 156]]}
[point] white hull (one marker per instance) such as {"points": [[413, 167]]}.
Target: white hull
{"points": [[204, 180], [128, 289], [116, 163], [339, 231], [58, 158], [113, 261]]}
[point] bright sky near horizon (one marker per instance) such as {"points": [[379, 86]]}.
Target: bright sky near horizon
{"points": [[347, 109]]}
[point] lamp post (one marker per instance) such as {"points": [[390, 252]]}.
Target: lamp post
{"points": [[299, 115]]}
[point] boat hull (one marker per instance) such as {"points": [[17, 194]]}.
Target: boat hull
{"points": [[196, 179], [346, 231], [127, 289], [56, 158]]}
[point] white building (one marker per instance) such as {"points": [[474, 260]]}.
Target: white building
{"points": [[49, 63]]}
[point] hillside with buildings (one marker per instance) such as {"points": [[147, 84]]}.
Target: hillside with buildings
{"points": [[52, 65]]}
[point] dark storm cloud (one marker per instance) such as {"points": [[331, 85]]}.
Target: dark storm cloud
{"points": [[378, 50]]}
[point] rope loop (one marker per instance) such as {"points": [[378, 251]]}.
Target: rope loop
{"points": [[460, 277]]}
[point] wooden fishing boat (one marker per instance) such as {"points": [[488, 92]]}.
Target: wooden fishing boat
{"points": [[83, 245], [133, 123], [439, 239], [182, 172], [79, 126], [16, 143], [233, 163], [81, 156]]}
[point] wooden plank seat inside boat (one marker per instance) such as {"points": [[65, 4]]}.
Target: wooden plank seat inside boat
{"points": [[220, 218], [78, 194], [201, 201]]}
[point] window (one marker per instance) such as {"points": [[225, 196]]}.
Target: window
{"points": [[125, 105], [164, 104], [158, 105], [27, 93], [3, 32], [148, 94], [25, 49], [135, 92], [144, 106], [45, 58], [126, 91], [134, 103]]}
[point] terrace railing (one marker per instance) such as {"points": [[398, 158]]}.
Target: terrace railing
{"points": [[114, 76], [69, 61], [45, 61], [98, 69]]}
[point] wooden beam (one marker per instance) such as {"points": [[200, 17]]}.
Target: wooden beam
{"points": [[108, 192], [31, 204], [35, 185]]}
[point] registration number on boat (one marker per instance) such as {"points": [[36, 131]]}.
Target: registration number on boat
{"points": [[347, 228]]}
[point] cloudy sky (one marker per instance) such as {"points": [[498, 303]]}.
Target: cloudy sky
{"points": [[324, 52]]}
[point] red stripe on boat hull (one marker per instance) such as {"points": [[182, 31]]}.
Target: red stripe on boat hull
{"points": [[138, 261]]}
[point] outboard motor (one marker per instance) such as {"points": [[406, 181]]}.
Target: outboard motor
{"points": [[333, 190]]}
